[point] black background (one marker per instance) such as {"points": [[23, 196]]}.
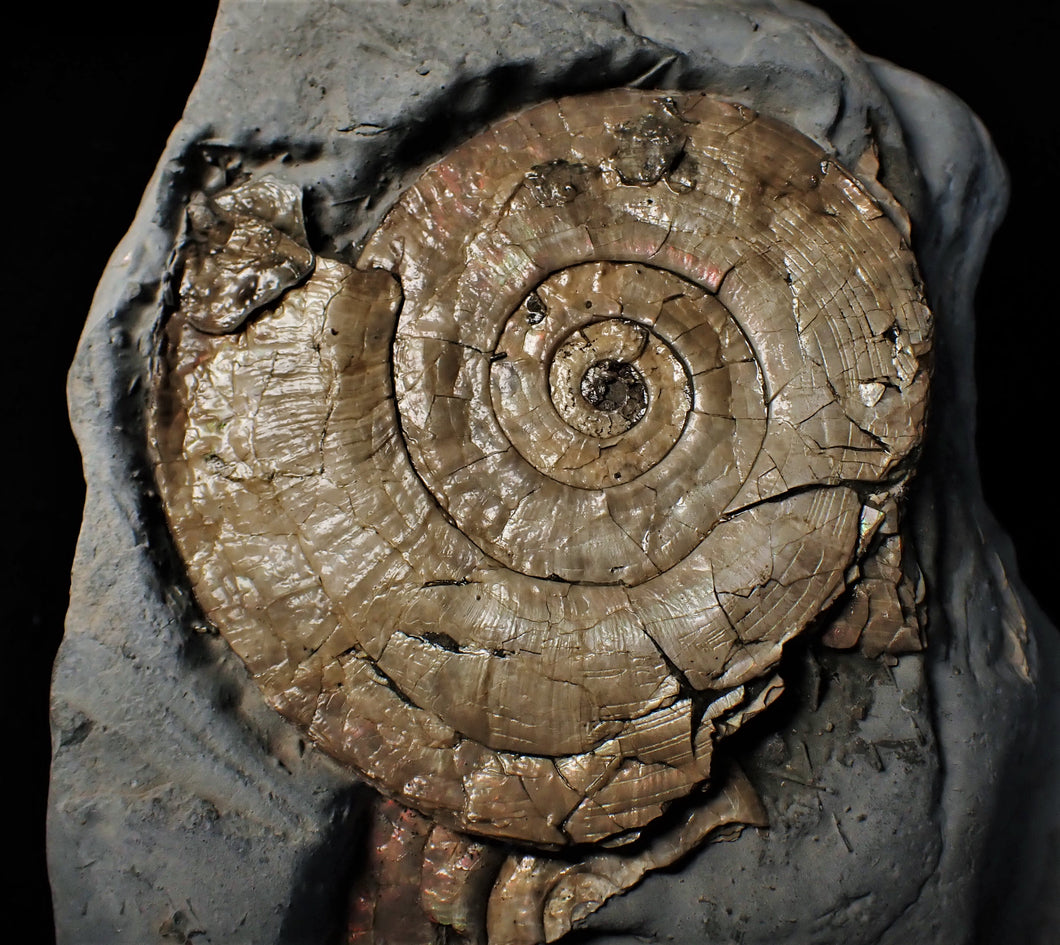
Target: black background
{"points": [[90, 100]]}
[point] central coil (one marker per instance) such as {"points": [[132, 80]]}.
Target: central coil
{"points": [[551, 484]]}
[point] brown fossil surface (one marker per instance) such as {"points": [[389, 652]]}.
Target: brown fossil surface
{"points": [[539, 899], [418, 878], [516, 516], [243, 249]]}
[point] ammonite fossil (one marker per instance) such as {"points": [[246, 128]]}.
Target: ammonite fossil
{"points": [[516, 515]]}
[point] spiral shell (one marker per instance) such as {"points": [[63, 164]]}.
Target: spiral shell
{"points": [[516, 516]]}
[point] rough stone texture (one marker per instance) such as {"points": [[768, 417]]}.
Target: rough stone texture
{"points": [[914, 804]]}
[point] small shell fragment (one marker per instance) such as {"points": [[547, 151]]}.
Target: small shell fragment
{"points": [[246, 246]]}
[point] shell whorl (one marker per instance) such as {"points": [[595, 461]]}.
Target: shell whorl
{"points": [[516, 516]]}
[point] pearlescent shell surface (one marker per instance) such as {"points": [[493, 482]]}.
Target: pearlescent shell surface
{"points": [[527, 612]]}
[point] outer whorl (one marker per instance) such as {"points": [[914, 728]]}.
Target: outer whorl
{"points": [[516, 516]]}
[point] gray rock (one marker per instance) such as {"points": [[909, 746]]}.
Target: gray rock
{"points": [[913, 805]]}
